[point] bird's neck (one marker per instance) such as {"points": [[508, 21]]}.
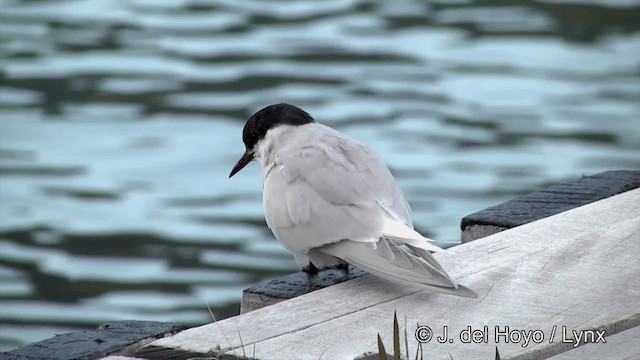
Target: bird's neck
{"points": [[276, 140]]}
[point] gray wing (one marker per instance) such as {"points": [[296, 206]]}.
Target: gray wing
{"points": [[335, 189]]}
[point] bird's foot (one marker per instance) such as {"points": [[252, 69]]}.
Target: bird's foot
{"points": [[310, 269], [344, 267]]}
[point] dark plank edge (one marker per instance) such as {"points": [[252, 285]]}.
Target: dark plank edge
{"points": [[109, 338], [547, 202]]}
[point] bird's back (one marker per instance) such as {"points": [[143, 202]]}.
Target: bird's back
{"points": [[320, 186]]}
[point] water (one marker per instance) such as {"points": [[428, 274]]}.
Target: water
{"points": [[120, 121]]}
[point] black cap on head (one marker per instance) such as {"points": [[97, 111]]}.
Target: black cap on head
{"points": [[270, 117], [265, 119]]}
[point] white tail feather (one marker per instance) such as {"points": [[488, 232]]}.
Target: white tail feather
{"points": [[390, 262], [403, 234]]}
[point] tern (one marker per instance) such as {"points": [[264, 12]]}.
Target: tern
{"points": [[331, 200]]}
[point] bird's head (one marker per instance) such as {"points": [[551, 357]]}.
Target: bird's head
{"points": [[264, 120]]}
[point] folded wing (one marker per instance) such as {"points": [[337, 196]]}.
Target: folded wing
{"points": [[337, 199]]}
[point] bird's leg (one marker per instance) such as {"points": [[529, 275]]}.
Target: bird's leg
{"points": [[310, 269]]}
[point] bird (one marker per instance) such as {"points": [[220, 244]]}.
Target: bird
{"points": [[331, 200]]}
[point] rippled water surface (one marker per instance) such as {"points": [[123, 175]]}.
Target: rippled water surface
{"points": [[120, 121]]}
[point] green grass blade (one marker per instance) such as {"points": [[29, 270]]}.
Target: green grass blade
{"points": [[406, 338], [382, 353], [396, 338]]}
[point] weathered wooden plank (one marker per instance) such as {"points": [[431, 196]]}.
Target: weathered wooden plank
{"points": [[278, 319], [578, 269], [91, 344], [546, 202]]}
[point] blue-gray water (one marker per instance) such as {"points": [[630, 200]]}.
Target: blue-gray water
{"points": [[120, 121]]}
